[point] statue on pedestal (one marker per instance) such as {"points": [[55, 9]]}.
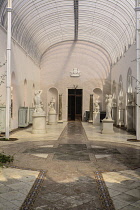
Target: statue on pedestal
{"points": [[108, 102], [38, 102], [52, 106], [39, 115], [107, 123]]}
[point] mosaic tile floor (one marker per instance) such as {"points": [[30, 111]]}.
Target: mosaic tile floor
{"points": [[80, 169], [15, 184], [71, 152], [72, 184]]}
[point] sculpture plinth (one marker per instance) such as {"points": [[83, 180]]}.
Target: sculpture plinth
{"points": [[107, 126], [52, 119], [96, 118], [52, 116], [39, 123]]}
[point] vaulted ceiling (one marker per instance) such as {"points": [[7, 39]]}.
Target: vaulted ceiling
{"points": [[39, 24]]}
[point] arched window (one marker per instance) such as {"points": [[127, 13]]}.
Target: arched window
{"points": [[129, 87], [98, 96], [53, 93], [114, 93], [120, 91]]}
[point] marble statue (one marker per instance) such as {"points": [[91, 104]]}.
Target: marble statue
{"points": [[38, 102], [39, 115], [96, 106], [52, 106], [52, 115], [108, 102]]}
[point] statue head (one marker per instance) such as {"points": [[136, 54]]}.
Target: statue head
{"points": [[38, 92]]}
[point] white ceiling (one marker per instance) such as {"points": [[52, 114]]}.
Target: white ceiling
{"points": [[39, 24]]}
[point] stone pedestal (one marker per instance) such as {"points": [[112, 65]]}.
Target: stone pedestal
{"points": [[39, 123], [114, 114], [52, 118], [96, 118], [107, 126], [60, 121]]}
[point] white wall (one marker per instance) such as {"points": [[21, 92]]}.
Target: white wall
{"points": [[58, 61], [121, 68], [22, 67]]}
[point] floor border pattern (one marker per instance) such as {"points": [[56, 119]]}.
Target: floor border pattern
{"points": [[105, 198], [30, 199]]}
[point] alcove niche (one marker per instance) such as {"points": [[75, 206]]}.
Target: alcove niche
{"points": [[98, 95], [53, 93]]}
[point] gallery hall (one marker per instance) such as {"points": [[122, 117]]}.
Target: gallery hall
{"points": [[69, 104]]}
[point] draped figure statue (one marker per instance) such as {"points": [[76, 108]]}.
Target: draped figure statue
{"points": [[108, 102]]}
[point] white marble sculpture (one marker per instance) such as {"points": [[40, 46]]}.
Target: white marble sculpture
{"points": [[96, 113], [107, 123], [96, 106], [52, 106], [39, 115], [38, 102], [108, 102], [52, 116]]}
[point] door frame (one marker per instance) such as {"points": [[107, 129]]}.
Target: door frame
{"points": [[75, 102]]}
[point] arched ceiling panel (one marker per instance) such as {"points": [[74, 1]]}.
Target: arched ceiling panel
{"points": [[39, 24]]}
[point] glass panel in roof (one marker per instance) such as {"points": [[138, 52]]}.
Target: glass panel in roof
{"points": [[38, 24]]}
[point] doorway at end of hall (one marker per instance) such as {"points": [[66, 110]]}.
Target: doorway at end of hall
{"points": [[75, 104]]}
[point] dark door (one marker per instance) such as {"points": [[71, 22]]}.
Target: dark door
{"points": [[75, 104]]}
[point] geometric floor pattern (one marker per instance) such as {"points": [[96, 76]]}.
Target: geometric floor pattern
{"points": [[75, 172], [76, 185], [72, 152]]}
